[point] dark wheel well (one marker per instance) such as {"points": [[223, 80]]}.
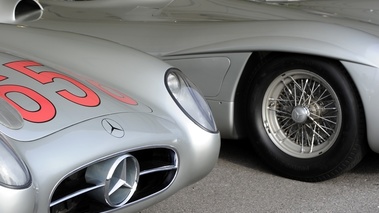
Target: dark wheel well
{"points": [[255, 62]]}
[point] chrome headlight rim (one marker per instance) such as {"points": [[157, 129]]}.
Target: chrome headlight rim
{"points": [[18, 162], [205, 120]]}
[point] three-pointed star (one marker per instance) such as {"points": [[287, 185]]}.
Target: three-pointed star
{"points": [[122, 180], [113, 127]]}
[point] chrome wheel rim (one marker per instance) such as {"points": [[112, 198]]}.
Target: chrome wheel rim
{"points": [[301, 114]]}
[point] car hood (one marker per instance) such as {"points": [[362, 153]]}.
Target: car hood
{"points": [[37, 101], [363, 15], [248, 10]]}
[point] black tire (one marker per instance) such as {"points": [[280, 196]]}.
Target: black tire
{"points": [[305, 117]]}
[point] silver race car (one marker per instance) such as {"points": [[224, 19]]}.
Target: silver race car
{"points": [[88, 125], [298, 78]]}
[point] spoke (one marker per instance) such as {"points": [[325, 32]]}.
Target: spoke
{"points": [[328, 128], [280, 111], [293, 133], [322, 97], [324, 118], [303, 92], [313, 90], [274, 105], [296, 86], [302, 140], [284, 117], [288, 128], [330, 109], [279, 101], [285, 121], [313, 140], [295, 82], [288, 91], [333, 117], [306, 139], [319, 126], [302, 89], [315, 133]]}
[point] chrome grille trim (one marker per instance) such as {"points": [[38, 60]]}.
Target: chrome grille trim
{"points": [[77, 193], [163, 168], [159, 167]]}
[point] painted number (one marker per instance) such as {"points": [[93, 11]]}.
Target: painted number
{"points": [[44, 113], [46, 110], [90, 99], [114, 93]]}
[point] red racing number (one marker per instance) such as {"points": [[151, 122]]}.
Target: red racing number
{"points": [[44, 113], [90, 99], [46, 110], [114, 93]]}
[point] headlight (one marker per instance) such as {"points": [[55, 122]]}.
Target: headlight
{"points": [[189, 99], [13, 172]]}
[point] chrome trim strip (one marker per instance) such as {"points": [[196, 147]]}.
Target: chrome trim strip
{"points": [[77, 193], [158, 169]]}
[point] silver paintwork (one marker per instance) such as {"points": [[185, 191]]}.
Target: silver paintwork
{"points": [[75, 137], [187, 31]]}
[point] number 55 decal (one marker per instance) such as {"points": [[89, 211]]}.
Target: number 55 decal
{"points": [[90, 99], [46, 110]]}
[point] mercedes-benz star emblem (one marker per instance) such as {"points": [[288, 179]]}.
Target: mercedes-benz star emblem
{"points": [[113, 128], [116, 178], [121, 181]]}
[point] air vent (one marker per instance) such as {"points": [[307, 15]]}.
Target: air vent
{"points": [[13, 11], [27, 9], [151, 170]]}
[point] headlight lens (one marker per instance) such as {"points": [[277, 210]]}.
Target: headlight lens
{"points": [[13, 173], [189, 99]]}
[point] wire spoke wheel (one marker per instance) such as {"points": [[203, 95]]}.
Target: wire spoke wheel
{"points": [[305, 117], [301, 113]]}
